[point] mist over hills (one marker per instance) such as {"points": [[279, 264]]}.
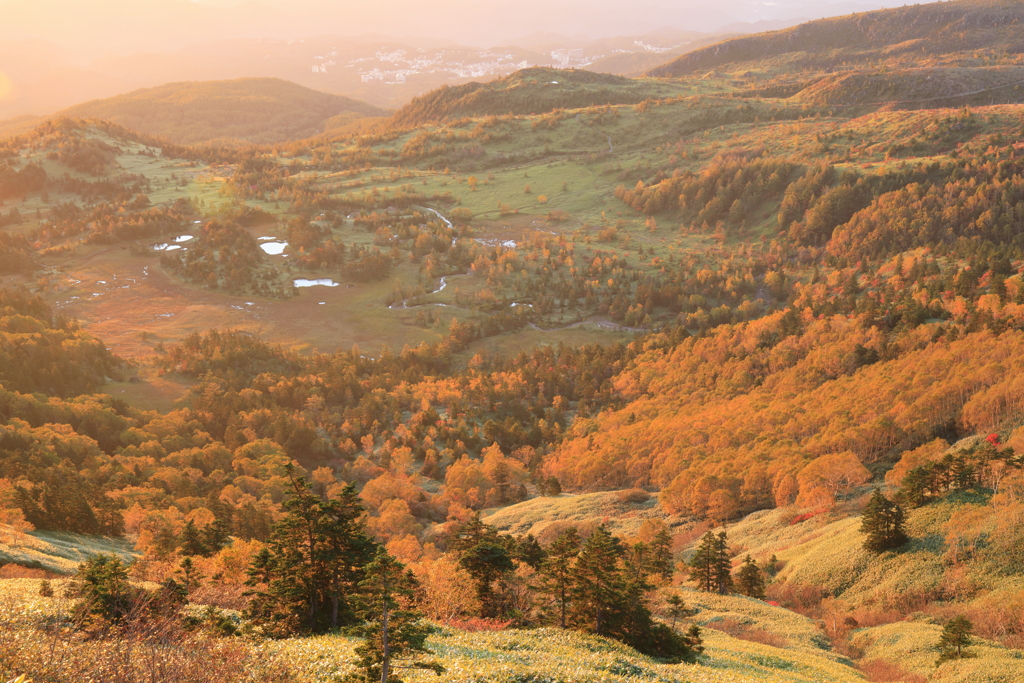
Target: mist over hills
{"points": [[907, 34], [121, 26], [260, 110], [57, 53]]}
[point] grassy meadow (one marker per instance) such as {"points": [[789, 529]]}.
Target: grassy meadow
{"points": [[508, 656]]}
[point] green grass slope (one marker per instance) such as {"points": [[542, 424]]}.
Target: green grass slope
{"points": [[912, 643], [547, 655], [555, 656], [530, 91], [59, 552], [908, 34], [925, 88], [261, 110], [545, 517]]}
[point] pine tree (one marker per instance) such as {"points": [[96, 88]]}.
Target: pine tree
{"points": [[485, 555], [660, 562], [676, 609], [190, 543], [750, 580], [191, 577], [607, 599], [711, 566], [105, 591], [529, 551], [955, 638], [599, 592], [693, 642], [723, 565], [882, 521], [314, 561], [393, 630], [558, 573], [215, 536], [703, 564]]}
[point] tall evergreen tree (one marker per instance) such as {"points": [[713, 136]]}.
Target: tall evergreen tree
{"points": [[190, 574], [882, 521], [216, 535], [723, 564], [314, 561], [750, 579], [704, 563], [609, 600], [393, 630], [529, 551], [599, 593], [190, 542], [710, 565], [558, 573], [486, 557], [660, 562]]}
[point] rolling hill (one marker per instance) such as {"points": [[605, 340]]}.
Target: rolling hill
{"points": [[529, 91], [906, 35], [743, 299], [261, 110]]}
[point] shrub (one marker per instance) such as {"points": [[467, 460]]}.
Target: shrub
{"points": [[477, 624], [737, 629], [635, 495], [881, 671]]}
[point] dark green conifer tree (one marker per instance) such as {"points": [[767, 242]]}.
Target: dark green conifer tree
{"points": [[313, 563], [105, 591], [394, 632], [215, 536], [190, 542], [955, 639], [486, 557], [704, 563], [529, 551], [750, 580], [557, 574], [723, 565], [608, 599], [660, 561], [882, 521], [191, 577], [599, 592], [711, 566]]}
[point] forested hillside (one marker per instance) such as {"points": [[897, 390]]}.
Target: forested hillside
{"points": [[582, 352], [932, 31]]}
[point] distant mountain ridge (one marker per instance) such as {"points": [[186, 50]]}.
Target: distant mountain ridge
{"points": [[260, 110], [905, 35]]}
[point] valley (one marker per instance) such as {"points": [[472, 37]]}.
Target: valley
{"points": [[708, 374]]}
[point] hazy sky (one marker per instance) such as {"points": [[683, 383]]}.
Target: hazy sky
{"points": [[89, 28], [56, 53]]}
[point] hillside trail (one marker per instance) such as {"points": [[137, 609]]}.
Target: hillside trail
{"points": [[611, 147]]}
